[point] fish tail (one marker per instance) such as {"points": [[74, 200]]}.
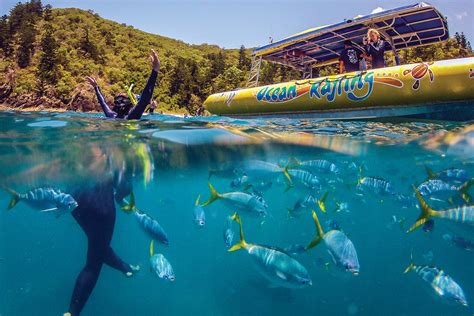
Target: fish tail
{"points": [[130, 206], [214, 195], [430, 172], [321, 204], [426, 212], [15, 198], [293, 162], [410, 267], [197, 200], [242, 243], [319, 230], [152, 248], [464, 188], [287, 175]]}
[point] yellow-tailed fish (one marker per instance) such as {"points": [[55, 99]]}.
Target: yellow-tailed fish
{"points": [[462, 215], [340, 247], [274, 264]]}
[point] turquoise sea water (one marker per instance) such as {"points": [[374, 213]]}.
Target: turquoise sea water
{"points": [[170, 158]]}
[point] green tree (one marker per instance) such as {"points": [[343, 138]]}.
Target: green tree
{"points": [[244, 61], [26, 44], [5, 37], [48, 63], [48, 13], [90, 48], [218, 64]]}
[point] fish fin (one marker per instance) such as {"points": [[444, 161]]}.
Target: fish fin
{"points": [[197, 200], [287, 175], [321, 201], [281, 275], [130, 206], [49, 210], [242, 243], [152, 248], [293, 162], [319, 230], [426, 212], [430, 172], [463, 189], [411, 266], [15, 198], [214, 195]]}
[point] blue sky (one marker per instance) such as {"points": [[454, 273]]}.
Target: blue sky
{"points": [[232, 23]]}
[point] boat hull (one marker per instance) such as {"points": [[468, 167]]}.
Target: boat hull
{"points": [[408, 90]]}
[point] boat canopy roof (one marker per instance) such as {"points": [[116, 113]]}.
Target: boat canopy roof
{"points": [[408, 26]]}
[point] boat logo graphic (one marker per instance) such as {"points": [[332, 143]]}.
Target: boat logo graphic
{"points": [[356, 88], [419, 72], [228, 97]]}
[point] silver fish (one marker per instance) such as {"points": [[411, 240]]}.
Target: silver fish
{"points": [[304, 179], [319, 165], [303, 205], [274, 264], [439, 281], [456, 174], [199, 215], [463, 215], [258, 170], [45, 200], [435, 185], [377, 185], [160, 265], [340, 248], [151, 227], [228, 232], [252, 204]]}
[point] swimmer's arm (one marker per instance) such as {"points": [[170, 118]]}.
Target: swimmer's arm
{"points": [[147, 93], [107, 111]]}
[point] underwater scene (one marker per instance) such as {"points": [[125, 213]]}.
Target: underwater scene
{"points": [[219, 216]]}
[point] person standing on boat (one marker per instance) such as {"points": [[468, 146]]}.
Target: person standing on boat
{"points": [[375, 48], [350, 58], [123, 107]]}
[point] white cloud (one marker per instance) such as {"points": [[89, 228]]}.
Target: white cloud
{"points": [[461, 15], [377, 10]]}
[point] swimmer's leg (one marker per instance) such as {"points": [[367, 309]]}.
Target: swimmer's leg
{"points": [[88, 277], [114, 261]]}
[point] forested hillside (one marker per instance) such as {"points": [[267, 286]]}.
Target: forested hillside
{"points": [[46, 53]]}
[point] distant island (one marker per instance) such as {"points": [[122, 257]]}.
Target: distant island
{"points": [[46, 53]]}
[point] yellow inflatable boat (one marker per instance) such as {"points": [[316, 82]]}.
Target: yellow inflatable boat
{"points": [[427, 88]]}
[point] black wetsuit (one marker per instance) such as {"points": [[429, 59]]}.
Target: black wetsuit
{"points": [[137, 111], [96, 216]]}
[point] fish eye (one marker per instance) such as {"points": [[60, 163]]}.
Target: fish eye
{"points": [[171, 278]]}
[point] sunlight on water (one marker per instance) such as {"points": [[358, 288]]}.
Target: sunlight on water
{"points": [[260, 169]]}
